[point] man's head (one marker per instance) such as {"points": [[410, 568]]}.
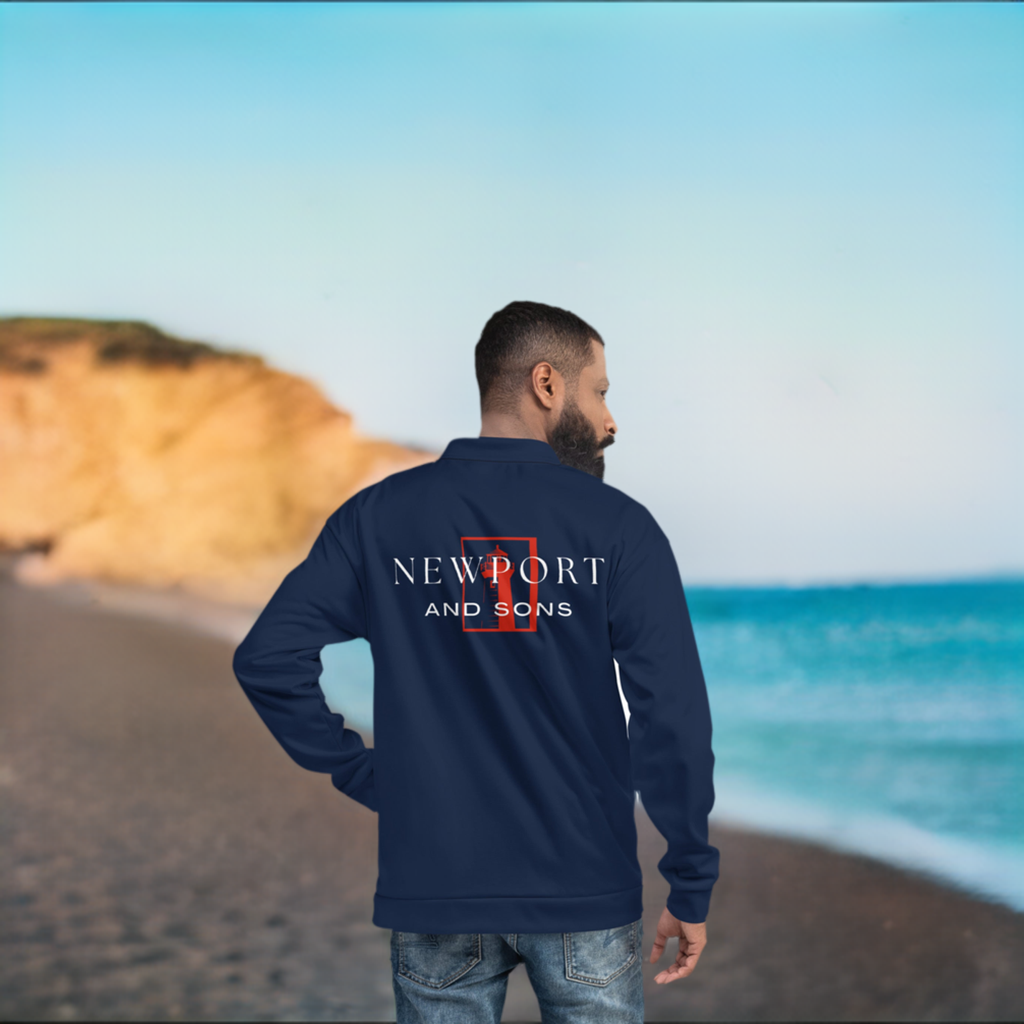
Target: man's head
{"points": [[541, 372]]}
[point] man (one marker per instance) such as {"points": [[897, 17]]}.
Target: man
{"points": [[497, 587]]}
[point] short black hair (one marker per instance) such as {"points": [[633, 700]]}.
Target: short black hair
{"points": [[519, 337]]}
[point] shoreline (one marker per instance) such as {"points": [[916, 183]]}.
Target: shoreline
{"points": [[162, 859]]}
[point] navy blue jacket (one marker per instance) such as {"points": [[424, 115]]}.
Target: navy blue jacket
{"points": [[495, 587]]}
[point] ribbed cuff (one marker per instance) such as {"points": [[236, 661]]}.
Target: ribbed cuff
{"points": [[691, 907]]}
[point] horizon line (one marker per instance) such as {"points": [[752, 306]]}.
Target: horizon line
{"points": [[849, 583]]}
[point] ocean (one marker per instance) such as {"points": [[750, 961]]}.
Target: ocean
{"points": [[880, 719]]}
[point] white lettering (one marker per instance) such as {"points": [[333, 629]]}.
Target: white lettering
{"points": [[494, 565], [535, 558], [567, 570], [466, 571]]}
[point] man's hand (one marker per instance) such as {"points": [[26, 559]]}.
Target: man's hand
{"points": [[692, 940]]}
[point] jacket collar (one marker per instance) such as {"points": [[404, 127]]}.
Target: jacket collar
{"points": [[501, 449]]}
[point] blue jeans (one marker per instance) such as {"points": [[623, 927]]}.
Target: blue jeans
{"points": [[578, 977]]}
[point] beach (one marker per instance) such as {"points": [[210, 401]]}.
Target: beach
{"points": [[161, 858]]}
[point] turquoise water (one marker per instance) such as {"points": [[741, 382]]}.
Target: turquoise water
{"points": [[887, 720], [883, 719]]}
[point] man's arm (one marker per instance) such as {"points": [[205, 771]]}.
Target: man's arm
{"points": [[319, 602], [669, 715]]}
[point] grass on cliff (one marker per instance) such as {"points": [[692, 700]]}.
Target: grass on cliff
{"points": [[26, 341]]}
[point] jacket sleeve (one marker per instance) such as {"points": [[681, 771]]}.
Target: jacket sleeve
{"points": [[278, 663], [669, 714]]}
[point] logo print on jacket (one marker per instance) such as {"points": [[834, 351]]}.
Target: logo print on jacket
{"points": [[501, 579], [504, 591]]}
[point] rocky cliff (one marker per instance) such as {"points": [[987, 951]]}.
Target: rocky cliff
{"points": [[132, 456]]}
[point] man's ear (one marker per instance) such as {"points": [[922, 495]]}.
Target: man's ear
{"points": [[545, 383]]}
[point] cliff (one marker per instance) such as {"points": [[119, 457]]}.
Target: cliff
{"points": [[131, 456]]}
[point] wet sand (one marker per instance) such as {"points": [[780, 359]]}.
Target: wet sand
{"points": [[162, 859]]}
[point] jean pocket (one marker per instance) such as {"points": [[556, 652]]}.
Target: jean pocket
{"points": [[436, 960], [599, 957]]}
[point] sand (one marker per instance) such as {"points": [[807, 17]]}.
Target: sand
{"points": [[161, 858]]}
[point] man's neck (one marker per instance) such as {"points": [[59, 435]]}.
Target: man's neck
{"points": [[504, 425]]}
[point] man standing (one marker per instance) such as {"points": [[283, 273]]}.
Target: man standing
{"points": [[497, 587]]}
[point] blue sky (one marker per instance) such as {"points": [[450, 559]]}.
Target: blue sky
{"points": [[798, 227]]}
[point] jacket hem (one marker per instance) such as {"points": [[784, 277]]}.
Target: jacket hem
{"points": [[502, 915]]}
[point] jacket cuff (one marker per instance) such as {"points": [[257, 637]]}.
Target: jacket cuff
{"points": [[691, 907]]}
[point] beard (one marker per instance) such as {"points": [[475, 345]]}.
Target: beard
{"points": [[575, 441]]}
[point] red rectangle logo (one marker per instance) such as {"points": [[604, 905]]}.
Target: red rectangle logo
{"points": [[501, 596]]}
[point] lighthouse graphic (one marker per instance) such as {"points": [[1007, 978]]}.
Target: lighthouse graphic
{"points": [[503, 595]]}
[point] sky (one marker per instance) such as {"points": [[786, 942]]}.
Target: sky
{"points": [[798, 228]]}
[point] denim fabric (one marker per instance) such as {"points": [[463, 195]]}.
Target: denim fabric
{"points": [[591, 977]]}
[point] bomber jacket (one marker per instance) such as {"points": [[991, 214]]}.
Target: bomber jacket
{"points": [[498, 588]]}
